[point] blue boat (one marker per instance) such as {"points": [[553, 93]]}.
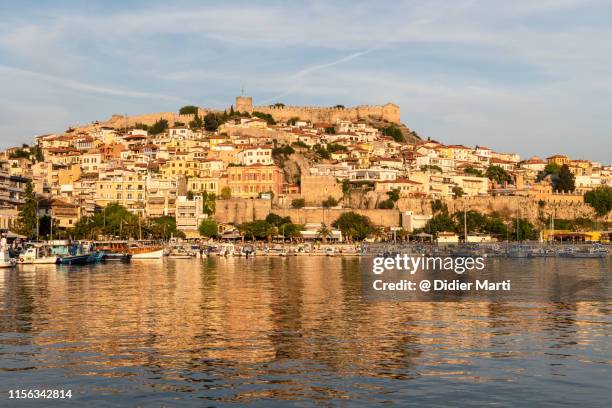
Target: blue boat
{"points": [[73, 259]]}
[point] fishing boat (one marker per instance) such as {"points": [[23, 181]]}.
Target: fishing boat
{"points": [[116, 257], [248, 250], [145, 251], [37, 254], [226, 250], [595, 251], [519, 251], [78, 255], [80, 259], [330, 251], [179, 252], [5, 257]]}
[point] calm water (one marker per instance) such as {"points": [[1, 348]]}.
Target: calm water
{"points": [[291, 331]]}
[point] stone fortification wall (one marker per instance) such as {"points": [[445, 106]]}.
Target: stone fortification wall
{"points": [[237, 211], [506, 206], [389, 112], [315, 189]]}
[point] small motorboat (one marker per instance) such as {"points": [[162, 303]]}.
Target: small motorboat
{"points": [[179, 252], [37, 254], [5, 257], [73, 259], [116, 257]]}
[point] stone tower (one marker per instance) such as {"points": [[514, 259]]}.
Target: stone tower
{"points": [[244, 104]]}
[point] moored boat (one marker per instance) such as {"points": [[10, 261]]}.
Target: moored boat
{"points": [[5, 257], [146, 252], [179, 252], [37, 254], [116, 257]]}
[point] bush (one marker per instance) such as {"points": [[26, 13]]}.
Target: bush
{"points": [[265, 116], [188, 110], [394, 132], [329, 202], [298, 203], [208, 228], [354, 226], [600, 199], [386, 204], [159, 127]]}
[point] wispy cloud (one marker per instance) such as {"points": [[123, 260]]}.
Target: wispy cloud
{"points": [[84, 87], [296, 79]]}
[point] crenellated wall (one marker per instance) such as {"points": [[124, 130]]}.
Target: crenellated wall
{"points": [[389, 112]]}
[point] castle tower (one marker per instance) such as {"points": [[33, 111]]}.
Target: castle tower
{"points": [[244, 104]]}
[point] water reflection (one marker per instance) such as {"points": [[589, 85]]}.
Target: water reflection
{"points": [[268, 330]]}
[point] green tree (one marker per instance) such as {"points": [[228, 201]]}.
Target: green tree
{"points": [[600, 199], [208, 228], [141, 126], [334, 147], [565, 181], [395, 132], [196, 123], [298, 203], [431, 167], [277, 220], [330, 130], [209, 203], [329, 202], [28, 214], [457, 192], [472, 171], [322, 152], [163, 227], [226, 193], [354, 226], [526, 230], [441, 222], [259, 229], [498, 174], [265, 116], [188, 110], [394, 195], [438, 206], [211, 122], [386, 204], [159, 127], [284, 150]]}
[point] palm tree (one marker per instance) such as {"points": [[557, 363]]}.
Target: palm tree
{"points": [[324, 232], [379, 233]]}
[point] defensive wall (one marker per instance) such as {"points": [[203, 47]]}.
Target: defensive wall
{"points": [[237, 211], [389, 112]]}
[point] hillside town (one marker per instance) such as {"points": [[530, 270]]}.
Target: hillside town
{"points": [[244, 163]]}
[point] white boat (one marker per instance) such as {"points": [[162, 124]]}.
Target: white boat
{"points": [[179, 252], [227, 250], [37, 254], [148, 254], [5, 258], [330, 251]]}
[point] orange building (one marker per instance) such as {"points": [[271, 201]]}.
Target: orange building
{"points": [[249, 181]]}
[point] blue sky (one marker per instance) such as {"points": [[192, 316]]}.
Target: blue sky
{"points": [[533, 77]]}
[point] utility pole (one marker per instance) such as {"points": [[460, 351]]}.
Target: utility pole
{"points": [[465, 236]]}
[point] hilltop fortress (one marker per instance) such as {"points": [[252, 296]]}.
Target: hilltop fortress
{"points": [[389, 112]]}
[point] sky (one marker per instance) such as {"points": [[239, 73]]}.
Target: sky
{"points": [[531, 77]]}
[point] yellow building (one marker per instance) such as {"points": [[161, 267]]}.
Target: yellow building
{"points": [[181, 164], [128, 191], [558, 159]]}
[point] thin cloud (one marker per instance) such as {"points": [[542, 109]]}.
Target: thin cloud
{"points": [[84, 87], [298, 76]]}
